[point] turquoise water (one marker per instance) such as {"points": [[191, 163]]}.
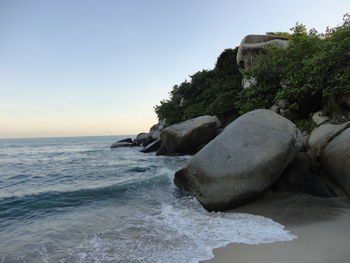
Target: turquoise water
{"points": [[77, 200]]}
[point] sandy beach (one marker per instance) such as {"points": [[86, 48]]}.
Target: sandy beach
{"points": [[321, 225]]}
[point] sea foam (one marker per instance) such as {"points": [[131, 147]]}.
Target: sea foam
{"points": [[180, 233]]}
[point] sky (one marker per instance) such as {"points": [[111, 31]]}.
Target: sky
{"points": [[85, 68]]}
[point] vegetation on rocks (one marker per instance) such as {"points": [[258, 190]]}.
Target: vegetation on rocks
{"points": [[209, 92], [311, 74]]}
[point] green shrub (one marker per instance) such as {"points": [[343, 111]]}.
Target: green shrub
{"points": [[314, 68]]}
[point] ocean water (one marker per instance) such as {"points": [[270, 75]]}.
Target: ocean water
{"points": [[77, 200]]}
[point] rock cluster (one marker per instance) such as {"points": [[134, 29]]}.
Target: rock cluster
{"points": [[258, 151], [182, 138], [261, 150]]}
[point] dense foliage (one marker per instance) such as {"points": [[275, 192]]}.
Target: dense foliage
{"points": [[209, 92], [312, 74]]}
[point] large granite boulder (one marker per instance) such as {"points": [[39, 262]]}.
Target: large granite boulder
{"points": [[323, 135], [242, 162], [336, 160], [252, 45], [188, 136]]}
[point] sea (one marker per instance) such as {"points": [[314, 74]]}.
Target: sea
{"points": [[76, 200]]}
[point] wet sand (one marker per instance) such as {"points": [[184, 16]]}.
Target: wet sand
{"points": [[321, 225]]}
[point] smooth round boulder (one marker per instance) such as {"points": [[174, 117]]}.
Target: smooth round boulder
{"points": [[188, 136], [336, 160], [242, 162]]}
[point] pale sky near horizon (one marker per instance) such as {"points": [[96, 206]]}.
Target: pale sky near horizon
{"points": [[82, 67]]}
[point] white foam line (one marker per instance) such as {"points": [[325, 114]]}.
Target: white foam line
{"points": [[181, 233]]}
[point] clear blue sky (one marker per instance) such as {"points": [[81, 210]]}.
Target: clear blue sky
{"points": [[81, 67]]}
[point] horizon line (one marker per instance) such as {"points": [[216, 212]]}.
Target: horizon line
{"points": [[74, 136]]}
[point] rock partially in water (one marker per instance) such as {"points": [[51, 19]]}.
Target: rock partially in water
{"points": [[162, 151], [143, 139], [126, 140], [122, 144], [242, 162], [188, 136], [152, 147]]}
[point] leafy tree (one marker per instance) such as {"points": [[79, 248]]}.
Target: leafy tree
{"points": [[211, 92]]}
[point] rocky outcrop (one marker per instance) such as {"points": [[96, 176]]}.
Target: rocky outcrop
{"points": [[242, 162], [252, 45], [188, 136], [323, 135], [336, 160]]}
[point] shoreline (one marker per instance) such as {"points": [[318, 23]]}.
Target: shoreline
{"points": [[322, 227]]}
